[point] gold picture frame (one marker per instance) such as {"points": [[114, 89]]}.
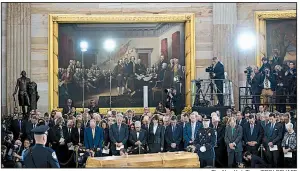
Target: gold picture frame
{"points": [[260, 27], [55, 19]]}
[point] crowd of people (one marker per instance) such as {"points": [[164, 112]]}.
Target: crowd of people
{"points": [[239, 139], [276, 82]]}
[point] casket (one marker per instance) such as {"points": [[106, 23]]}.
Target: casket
{"points": [[155, 160]]}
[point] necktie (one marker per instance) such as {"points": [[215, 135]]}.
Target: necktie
{"points": [[93, 131], [20, 124], [69, 130], [232, 131], [271, 129], [137, 135], [266, 83], [193, 131], [79, 134], [173, 131], [251, 129], [119, 128]]}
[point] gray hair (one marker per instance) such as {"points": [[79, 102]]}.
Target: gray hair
{"points": [[119, 115], [137, 124], [289, 125]]}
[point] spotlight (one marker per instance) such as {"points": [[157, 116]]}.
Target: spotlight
{"points": [[246, 41]]}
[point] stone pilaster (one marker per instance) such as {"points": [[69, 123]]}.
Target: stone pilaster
{"points": [[224, 40], [18, 45]]}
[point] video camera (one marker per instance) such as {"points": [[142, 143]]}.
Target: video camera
{"points": [[168, 90], [210, 70], [248, 71]]}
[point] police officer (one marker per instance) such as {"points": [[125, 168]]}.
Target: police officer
{"points": [[205, 142], [40, 156]]}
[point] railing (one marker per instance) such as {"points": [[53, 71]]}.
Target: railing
{"points": [[205, 91], [246, 100]]}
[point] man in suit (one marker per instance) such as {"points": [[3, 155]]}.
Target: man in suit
{"points": [[218, 73], [256, 87], [146, 123], [239, 119], [233, 139], [29, 126], [291, 80], [173, 135], [17, 126], [205, 142], [93, 139], [138, 138], [252, 135], [190, 130], [220, 149], [118, 134], [272, 139]]}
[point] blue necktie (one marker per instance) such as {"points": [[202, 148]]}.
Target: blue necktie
{"points": [[20, 124], [251, 129], [173, 130], [271, 129]]}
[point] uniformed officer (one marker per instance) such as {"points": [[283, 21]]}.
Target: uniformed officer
{"points": [[40, 156], [205, 142]]}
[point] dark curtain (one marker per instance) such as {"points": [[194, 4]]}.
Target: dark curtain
{"points": [[164, 48], [176, 45], [66, 50]]}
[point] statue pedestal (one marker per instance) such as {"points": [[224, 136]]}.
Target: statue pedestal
{"points": [[155, 160]]}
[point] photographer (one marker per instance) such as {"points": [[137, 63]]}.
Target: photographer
{"points": [[291, 79], [268, 84], [279, 76], [173, 100], [255, 80], [218, 73], [17, 152], [265, 65]]}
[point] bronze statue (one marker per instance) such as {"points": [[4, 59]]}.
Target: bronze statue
{"points": [[33, 95], [23, 97]]}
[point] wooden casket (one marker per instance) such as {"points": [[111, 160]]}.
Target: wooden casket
{"points": [[155, 160]]}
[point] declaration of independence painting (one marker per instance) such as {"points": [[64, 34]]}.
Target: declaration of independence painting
{"points": [[150, 54], [281, 40]]}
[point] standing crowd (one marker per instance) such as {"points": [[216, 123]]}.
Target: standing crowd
{"points": [[239, 139]]}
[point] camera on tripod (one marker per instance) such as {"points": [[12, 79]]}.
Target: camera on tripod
{"points": [[210, 70], [248, 71]]}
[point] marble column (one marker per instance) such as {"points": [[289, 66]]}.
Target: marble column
{"points": [[224, 41], [18, 47]]}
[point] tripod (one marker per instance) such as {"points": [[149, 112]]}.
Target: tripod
{"points": [[197, 98], [212, 89]]}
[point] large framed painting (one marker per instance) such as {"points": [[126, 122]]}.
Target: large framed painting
{"points": [[119, 61], [276, 36]]}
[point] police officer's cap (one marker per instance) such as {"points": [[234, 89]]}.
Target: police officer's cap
{"points": [[39, 130]]}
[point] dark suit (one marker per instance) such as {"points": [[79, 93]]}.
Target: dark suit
{"points": [[275, 136], [257, 162], [219, 71], [61, 150], [220, 148], [29, 135], [234, 135], [187, 133], [156, 140], [256, 135], [173, 136], [264, 66], [146, 127], [117, 135], [256, 89], [17, 127], [241, 122], [77, 136], [142, 138], [93, 143]]}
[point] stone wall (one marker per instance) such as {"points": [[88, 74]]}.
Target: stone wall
{"points": [[3, 59], [204, 31]]}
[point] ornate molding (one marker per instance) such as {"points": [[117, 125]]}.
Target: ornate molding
{"points": [[260, 18], [73, 18], [276, 14], [56, 19]]}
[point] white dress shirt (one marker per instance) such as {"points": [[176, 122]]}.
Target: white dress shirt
{"points": [[154, 128]]}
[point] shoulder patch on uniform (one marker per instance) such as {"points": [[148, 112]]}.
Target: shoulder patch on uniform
{"points": [[54, 155]]}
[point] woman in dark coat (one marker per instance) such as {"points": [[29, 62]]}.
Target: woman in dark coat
{"points": [[106, 140], [156, 136]]}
